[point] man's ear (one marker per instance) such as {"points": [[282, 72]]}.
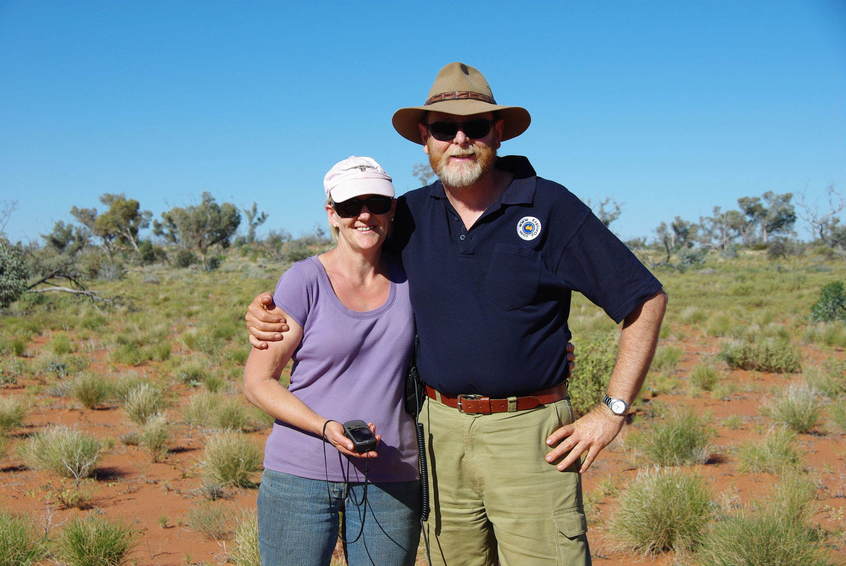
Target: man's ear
{"points": [[424, 135], [499, 126]]}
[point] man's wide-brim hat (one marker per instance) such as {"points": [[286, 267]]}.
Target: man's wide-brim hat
{"points": [[461, 90]]}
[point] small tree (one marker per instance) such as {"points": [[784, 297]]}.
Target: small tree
{"points": [[254, 220], [201, 226], [13, 274], [423, 172], [119, 225]]}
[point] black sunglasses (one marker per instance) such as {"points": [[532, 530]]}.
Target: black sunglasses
{"points": [[473, 129], [377, 204]]}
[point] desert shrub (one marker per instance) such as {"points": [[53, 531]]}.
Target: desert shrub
{"points": [[154, 437], [61, 345], [191, 374], [62, 450], [246, 551], [20, 544], [231, 459], [91, 390], [184, 258], [661, 510], [210, 519], [797, 407], [124, 384], [832, 334], [831, 304], [679, 438], [775, 454], [590, 380], [11, 414], [219, 411], [704, 377], [667, 358], [830, 380], [762, 355], [773, 534], [13, 274], [144, 402], [95, 541]]}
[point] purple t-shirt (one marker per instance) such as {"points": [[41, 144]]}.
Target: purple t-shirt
{"points": [[349, 365]]}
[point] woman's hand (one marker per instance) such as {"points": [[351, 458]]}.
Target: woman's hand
{"points": [[336, 437]]}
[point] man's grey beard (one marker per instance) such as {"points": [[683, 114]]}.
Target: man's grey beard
{"points": [[459, 175]]}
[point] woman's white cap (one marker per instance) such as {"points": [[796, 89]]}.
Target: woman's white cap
{"points": [[356, 176]]}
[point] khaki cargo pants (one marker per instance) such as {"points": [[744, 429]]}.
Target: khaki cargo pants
{"points": [[494, 499]]}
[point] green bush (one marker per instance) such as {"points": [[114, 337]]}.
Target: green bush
{"points": [[246, 541], [762, 355], [661, 510], [91, 390], [210, 519], [774, 534], [95, 541], [13, 274], [797, 407], [680, 438], [62, 450], [154, 437], [831, 304], [704, 377], [61, 345], [143, 402], [775, 454], [231, 459], [593, 370], [666, 358], [830, 380], [20, 544], [184, 258], [11, 414]]}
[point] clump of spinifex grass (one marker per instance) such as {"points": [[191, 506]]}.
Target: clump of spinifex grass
{"points": [[91, 390], [770, 355], [590, 380], [154, 437], [797, 407], [679, 438], [220, 411], [20, 544], [661, 510], [12, 413], [143, 402], [246, 551], [231, 459], [666, 358], [704, 377], [211, 520], [830, 379], [775, 454], [773, 534], [95, 541], [62, 450]]}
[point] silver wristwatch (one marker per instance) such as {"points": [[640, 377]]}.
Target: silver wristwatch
{"points": [[617, 406]]}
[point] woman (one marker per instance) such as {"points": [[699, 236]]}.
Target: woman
{"points": [[350, 336]]}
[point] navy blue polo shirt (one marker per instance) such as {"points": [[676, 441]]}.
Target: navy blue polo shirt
{"points": [[491, 303]]}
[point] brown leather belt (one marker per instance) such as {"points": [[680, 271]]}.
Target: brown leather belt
{"points": [[480, 404]]}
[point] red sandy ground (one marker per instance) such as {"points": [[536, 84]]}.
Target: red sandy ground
{"points": [[155, 497]]}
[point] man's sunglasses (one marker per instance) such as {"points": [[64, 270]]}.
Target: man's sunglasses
{"points": [[473, 129], [377, 204]]}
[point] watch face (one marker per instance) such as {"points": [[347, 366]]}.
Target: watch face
{"points": [[618, 407]]}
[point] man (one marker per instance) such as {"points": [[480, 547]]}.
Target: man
{"points": [[492, 253]]}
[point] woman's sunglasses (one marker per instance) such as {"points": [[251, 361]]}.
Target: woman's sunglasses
{"points": [[473, 129], [350, 208]]}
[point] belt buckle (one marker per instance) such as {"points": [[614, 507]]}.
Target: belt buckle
{"points": [[470, 396]]}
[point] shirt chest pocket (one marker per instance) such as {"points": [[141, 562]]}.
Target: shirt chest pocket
{"points": [[513, 276]]}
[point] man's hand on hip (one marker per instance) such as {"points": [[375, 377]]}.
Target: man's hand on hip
{"points": [[265, 321], [588, 435]]}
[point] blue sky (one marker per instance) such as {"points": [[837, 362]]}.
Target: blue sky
{"points": [[668, 107]]}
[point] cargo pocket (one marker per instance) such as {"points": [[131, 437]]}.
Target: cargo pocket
{"points": [[571, 525]]}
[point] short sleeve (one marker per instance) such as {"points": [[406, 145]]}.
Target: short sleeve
{"points": [[597, 264], [296, 290]]}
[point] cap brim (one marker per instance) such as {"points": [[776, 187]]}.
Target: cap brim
{"points": [[516, 119], [357, 187]]}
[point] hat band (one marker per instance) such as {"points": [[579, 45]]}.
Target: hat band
{"points": [[459, 95]]}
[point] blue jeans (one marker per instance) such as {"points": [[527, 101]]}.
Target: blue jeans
{"points": [[298, 521]]}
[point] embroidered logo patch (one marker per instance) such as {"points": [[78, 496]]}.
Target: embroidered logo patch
{"points": [[529, 228]]}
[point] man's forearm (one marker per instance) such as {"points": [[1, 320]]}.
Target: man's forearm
{"points": [[637, 347]]}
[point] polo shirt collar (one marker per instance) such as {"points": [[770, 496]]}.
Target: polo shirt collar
{"points": [[522, 187]]}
